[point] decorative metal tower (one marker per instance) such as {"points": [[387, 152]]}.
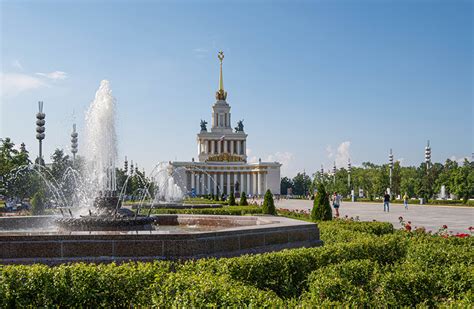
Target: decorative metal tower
{"points": [[428, 155], [349, 170], [125, 166], [40, 116], [334, 170], [74, 144], [390, 165]]}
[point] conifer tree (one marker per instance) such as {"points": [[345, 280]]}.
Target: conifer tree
{"points": [[243, 199], [268, 204], [321, 207], [231, 200]]}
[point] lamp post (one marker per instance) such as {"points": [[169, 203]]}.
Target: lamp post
{"points": [[390, 165], [40, 116], [74, 144]]}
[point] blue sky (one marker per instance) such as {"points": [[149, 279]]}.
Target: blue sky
{"points": [[314, 81]]}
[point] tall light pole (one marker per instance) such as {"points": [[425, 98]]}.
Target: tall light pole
{"points": [[349, 169], [334, 170], [40, 116], [390, 165], [74, 144], [428, 155]]}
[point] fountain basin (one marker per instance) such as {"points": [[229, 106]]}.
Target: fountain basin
{"points": [[177, 237]]}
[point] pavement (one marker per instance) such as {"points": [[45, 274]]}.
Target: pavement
{"points": [[457, 218]]}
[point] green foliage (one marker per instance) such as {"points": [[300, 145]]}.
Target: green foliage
{"points": [[363, 264], [243, 199], [321, 209], [37, 203], [231, 199], [268, 204], [301, 184], [184, 289]]}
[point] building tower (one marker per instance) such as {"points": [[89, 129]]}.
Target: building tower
{"points": [[74, 144], [390, 165]]}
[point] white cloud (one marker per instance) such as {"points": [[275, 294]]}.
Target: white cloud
{"points": [[12, 84], [200, 52], [458, 160], [56, 75], [17, 65], [341, 155]]}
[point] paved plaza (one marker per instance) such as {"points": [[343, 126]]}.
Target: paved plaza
{"points": [[458, 219]]}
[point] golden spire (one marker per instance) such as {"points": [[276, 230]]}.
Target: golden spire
{"points": [[221, 94]]}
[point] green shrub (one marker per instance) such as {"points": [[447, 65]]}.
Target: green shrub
{"points": [[37, 203], [268, 204], [243, 199], [374, 227], [321, 209], [202, 289], [345, 282], [231, 199], [79, 285]]}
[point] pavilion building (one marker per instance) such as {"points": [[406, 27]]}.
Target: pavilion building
{"points": [[222, 165]]}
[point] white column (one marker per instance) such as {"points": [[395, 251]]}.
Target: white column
{"points": [[228, 183], [221, 184], [193, 183], [215, 182], [231, 147], [238, 147], [248, 191], [197, 183], [244, 146], [242, 182], [255, 187], [219, 150], [208, 184], [213, 147], [259, 184], [225, 146]]}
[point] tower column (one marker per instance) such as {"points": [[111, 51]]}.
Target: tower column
{"points": [[238, 147], [244, 146], [231, 146], [228, 183], [255, 187], [213, 147], [193, 181], [235, 181], [242, 182], [219, 143], [197, 184], [248, 184], [225, 145]]}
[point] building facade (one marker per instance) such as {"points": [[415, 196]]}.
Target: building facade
{"points": [[222, 165]]}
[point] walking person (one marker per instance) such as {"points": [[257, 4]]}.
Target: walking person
{"points": [[336, 202], [386, 202], [405, 201]]}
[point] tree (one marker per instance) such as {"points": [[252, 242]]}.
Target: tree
{"points": [[464, 181], [268, 204], [301, 184], [321, 208], [37, 203], [285, 184], [243, 199], [231, 199]]}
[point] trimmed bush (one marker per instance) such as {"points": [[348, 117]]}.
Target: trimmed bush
{"points": [[243, 199], [268, 204], [201, 289], [37, 203], [226, 210], [321, 208], [231, 199]]}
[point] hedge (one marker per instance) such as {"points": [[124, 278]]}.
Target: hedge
{"points": [[362, 264]]}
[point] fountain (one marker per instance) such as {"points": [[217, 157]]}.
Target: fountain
{"points": [[93, 225]]}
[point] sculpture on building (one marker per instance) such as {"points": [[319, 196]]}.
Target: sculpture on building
{"points": [[203, 125], [240, 126]]}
